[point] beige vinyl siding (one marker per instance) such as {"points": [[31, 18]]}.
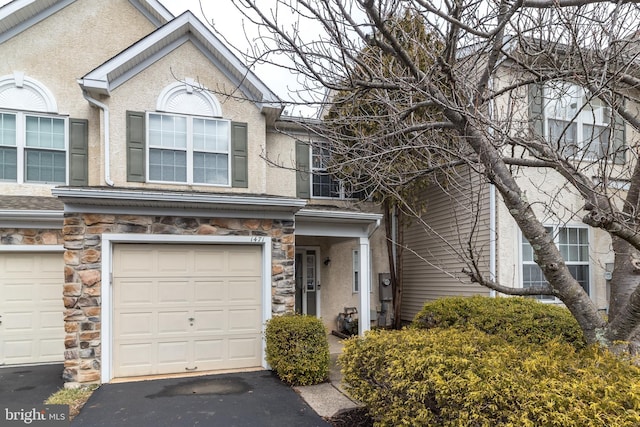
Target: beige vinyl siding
{"points": [[432, 261]]}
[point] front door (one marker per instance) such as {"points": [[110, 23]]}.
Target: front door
{"points": [[307, 282]]}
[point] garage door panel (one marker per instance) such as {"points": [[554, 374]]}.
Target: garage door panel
{"points": [[209, 261], [172, 352], [244, 348], [210, 321], [225, 307], [244, 292], [134, 292], [173, 322], [174, 291], [209, 351], [50, 349], [18, 349], [244, 320], [135, 262], [209, 291], [173, 262], [245, 263], [22, 322], [21, 294], [49, 292], [135, 354], [50, 320], [137, 324]]}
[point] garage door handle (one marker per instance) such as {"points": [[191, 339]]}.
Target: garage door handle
{"points": [[190, 369]]}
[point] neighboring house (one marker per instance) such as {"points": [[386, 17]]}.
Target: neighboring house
{"points": [[467, 212], [142, 230]]}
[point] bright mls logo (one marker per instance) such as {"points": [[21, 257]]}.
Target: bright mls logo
{"points": [[50, 415]]}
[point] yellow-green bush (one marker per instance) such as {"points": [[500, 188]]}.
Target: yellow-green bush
{"points": [[517, 320], [464, 377], [298, 349]]}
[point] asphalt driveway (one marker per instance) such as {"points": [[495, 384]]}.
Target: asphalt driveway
{"points": [[238, 399], [29, 386]]}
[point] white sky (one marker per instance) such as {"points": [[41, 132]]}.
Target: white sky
{"points": [[228, 21]]}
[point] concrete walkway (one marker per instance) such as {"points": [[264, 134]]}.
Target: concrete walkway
{"points": [[328, 399]]}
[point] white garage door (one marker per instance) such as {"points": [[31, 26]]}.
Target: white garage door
{"points": [[31, 306], [183, 308]]}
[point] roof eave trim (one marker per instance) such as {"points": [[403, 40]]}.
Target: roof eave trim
{"points": [[335, 214], [161, 196]]}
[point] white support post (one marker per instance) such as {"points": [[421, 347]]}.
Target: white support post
{"points": [[364, 314]]}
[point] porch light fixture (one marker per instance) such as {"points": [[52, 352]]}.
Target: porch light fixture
{"points": [[327, 261]]}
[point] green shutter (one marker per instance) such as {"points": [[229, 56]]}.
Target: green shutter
{"points": [[135, 146], [536, 108], [239, 155], [303, 186], [619, 142], [78, 152]]}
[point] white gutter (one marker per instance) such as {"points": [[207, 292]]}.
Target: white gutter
{"points": [[319, 214], [182, 197], [107, 144]]}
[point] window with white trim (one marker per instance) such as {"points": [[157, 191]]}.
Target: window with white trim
{"points": [[323, 184], [573, 243], [188, 149], [33, 147], [356, 271], [576, 121]]}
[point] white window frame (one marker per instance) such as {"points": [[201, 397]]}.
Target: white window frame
{"points": [[555, 230], [575, 110], [355, 275], [21, 145], [356, 271], [189, 149], [322, 171]]}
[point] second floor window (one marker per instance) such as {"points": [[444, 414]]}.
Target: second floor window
{"points": [[188, 149], [33, 148], [576, 122], [323, 184]]}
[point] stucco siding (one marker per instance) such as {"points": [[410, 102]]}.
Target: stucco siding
{"points": [[455, 214], [72, 54]]}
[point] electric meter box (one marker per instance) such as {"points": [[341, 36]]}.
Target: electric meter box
{"points": [[385, 288]]}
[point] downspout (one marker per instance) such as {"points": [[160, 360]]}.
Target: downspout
{"points": [[493, 235], [493, 232], [107, 147]]}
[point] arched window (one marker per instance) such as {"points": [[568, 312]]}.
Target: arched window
{"points": [[188, 97], [33, 138], [188, 142]]}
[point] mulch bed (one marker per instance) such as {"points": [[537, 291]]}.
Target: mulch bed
{"points": [[351, 418]]}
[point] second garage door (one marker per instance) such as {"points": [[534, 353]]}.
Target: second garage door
{"points": [[31, 308], [183, 308]]}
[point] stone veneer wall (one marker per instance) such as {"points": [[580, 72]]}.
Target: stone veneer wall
{"points": [[82, 272], [30, 236]]}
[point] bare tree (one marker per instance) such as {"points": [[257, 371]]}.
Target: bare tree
{"points": [[475, 97]]}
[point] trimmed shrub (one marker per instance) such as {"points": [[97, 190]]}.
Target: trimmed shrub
{"points": [[298, 349], [517, 320], [464, 377]]}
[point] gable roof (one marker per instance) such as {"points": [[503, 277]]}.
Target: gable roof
{"points": [[185, 28], [19, 15]]}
